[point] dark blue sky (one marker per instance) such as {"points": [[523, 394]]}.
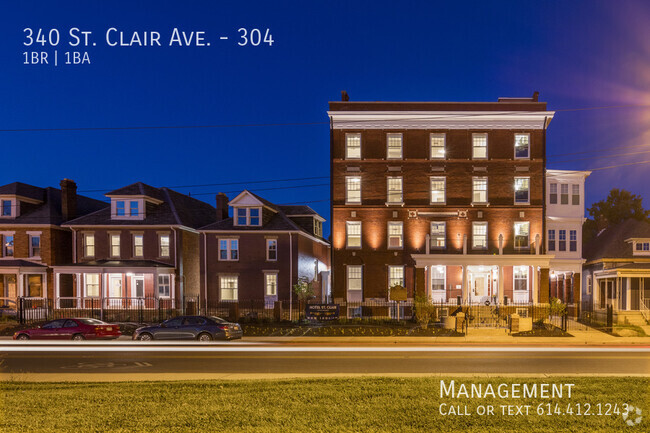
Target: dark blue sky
{"points": [[577, 54]]}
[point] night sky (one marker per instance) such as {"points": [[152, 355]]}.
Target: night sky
{"points": [[577, 54]]}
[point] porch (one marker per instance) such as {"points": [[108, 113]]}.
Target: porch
{"points": [[627, 290], [21, 279]]}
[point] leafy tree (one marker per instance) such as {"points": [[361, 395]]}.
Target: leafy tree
{"points": [[304, 288], [617, 207], [425, 310]]}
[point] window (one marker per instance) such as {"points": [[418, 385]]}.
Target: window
{"points": [[353, 189], [522, 146], [248, 216], [520, 277], [479, 190], [92, 285], [6, 208], [164, 284], [438, 234], [438, 190], [562, 241], [575, 194], [564, 196], [573, 240], [115, 245], [521, 234], [353, 234], [522, 195], [395, 276], [89, 245], [271, 284], [164, 245], [355, 275], [551, 240], [119, 208], [228, 285], [35, 286], [642, 246], [134, 208], [318, 227], [395, 234], [353, 146], [138, 245], [479, 146], [228, 249], [479, 235], [395, 190], [437, 146], [437, 277], [34, 246], [271, 250], [394, 143], [553, 193], [8, 245]]}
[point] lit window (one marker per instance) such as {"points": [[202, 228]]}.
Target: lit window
{"points": [[394, 150], [6, 207], [553, 193], [353, 234], [248, 216], [438, 190], [134, 208], [522, 185], [8, 245], [120, 209], [479, 235], [164, 286], [394, 190], [229, 286], [479, 190], [228, 249], [355, 275], [522, 146], [89, 245], [164, 245], [115, 245], [318, 227], [34, 246], [271, 249], [562, 241], [437, 146], [520, 277], [353, 189], [564, 196], [521, 234], [271, 283], [395, 276], [438, 277], [395, 234], [573, 240], [438, 234], [551, 240], [575, 194], [479, 146], [35, 286], [138, 245], [92, 285], [352, 146]]}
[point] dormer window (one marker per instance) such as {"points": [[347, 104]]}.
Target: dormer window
{"points": [[248, 216], [119, 208], [318, 227], [134, 207], [125, 208], [6, 208], [642, 247]]}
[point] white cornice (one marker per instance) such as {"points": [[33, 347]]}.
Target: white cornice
{"points": [[523, 120]]}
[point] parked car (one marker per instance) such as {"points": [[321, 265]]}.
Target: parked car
{"points": [[71, 329], [201, 328]]}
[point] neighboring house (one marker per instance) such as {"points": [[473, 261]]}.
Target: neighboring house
{"points": [[443, 198], [565, 214], [32, 239], [617, 273], [260, 252], [144, 245]]}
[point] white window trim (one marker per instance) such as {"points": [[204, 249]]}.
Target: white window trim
{"points": [[236, 298], [169, 245], [444, 146], [435, 247], [403, 276], [134, 235], [268, 250], [99, 285], [514, 237], [487, 186], [347, 278], [401, 147], [248, 216], [388, 235], [30, 235], [110, 245], [350, 134], [395, 203], [515, 146], [158, 287], [228, 249], [84, 246], [347, 235], [479, 134], [127, 208], [487, 237], [444, 285], [444, 190], [514, 198], [14, 210], [514, 279], [266, 287], [635, 252], [347, 191]]}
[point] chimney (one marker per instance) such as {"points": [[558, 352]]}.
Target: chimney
{"points": [[68, 199], [222, 206], [535, 96], [344, 96]]}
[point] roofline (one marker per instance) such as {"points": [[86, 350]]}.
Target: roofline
{"points": [[144, 226], [239, 232]]}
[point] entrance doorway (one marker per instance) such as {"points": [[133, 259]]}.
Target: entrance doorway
{"points": [[483, 284], [137, 289]]}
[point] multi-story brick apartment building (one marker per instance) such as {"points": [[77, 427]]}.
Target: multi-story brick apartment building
{"points": [[144, 245], [565, 214], [33, 239], [443, 198], [261, 251]]}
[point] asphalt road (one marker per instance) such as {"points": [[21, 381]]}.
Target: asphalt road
{"points": [[69, 360]]}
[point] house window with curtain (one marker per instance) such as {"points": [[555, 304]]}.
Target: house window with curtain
{"points": [[229, 286], [394, 146], [138, 245], [438, 234], [353, 146], [522, 146], [353, 189], [394, 190], [395, 234], [353, 234], [479, 146], [438, 190], [521, 234], [520, 277], [479, 190], [479, 235], [355, 274], [437, 146], [438, 277]]}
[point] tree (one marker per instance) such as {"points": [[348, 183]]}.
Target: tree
{"points": [[617, 207], [425, 310], [304, 289]]}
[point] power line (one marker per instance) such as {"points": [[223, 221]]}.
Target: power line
{"points": [[603, 156], [596, 150], [268, 189]]}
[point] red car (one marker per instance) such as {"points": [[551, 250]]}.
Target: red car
{"points": [[70, 329]]}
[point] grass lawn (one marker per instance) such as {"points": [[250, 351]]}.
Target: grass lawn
{"points": [[318, 405]]}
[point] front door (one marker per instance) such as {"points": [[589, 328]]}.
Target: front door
{"points": [[10, 290], [479, 290], [115, 290], [137, 291]]}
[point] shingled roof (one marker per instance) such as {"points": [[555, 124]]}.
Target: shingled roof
{"points": [[610, 243], [23, 190], [138, 188]]}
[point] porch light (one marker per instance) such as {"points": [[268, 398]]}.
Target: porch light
{"points": [[129, 274]]}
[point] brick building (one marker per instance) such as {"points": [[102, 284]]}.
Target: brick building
{"points": [[32, 239], [443, 198], [260, 252]]}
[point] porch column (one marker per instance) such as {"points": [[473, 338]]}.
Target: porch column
{"points": [[102, 289], [172, 289], [57, 289], [535, 285], [501, 285], [628, 294], [44, 285], [21, 284], [543, 286], [79, 291], [465, 291]]}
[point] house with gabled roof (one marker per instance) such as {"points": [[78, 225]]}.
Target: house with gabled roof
{"points": [[141, 249], [262, 250]]}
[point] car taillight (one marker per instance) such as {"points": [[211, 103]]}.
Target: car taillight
{"points": [[224, 327]]}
